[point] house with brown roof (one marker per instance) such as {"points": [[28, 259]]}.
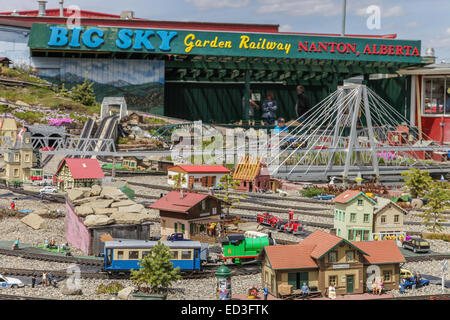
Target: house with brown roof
{"points": [[192, 176], [322, 259], [252, 174], [189, 213]]}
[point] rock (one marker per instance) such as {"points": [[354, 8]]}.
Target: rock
{"points": [[137, 208], [416, 203], [100, 203], [130, 218], [22, 104], [96, 190], [71, 289], [113, 193], [83, 211], [85, 200], [124, 203], [125, 293], [105, 211], [248, 226], [41, 212], [97, 220], [86, 192], [75, 194], [34, 221]]}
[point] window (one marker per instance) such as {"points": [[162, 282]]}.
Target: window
{"points": [[343, 216], [360, 202], [186, 255], [16, 157], [174, 255], [133, 255], [339, 232], [383, 219], [203, 204], [366, 217], [27, 157], [335, 214], [351, 234], [436, 96], [396, 218], [332, 280], [350, 256], [332, 256], [144, 253], [119, 255], [366, 235], [16, 172], [387, 276], [352, 217]]}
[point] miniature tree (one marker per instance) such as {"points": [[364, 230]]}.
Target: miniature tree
{"points": [[84, 92], [438, 198], [179, 179], [228, 184], [157, 272], [417, 181]]}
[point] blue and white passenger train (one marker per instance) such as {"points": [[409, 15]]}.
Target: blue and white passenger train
{"points": [[124, 255]]}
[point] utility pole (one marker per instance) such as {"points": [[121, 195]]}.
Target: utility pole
{"points": [[344, 13], [443, 269]]}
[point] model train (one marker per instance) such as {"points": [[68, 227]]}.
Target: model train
{"points": [[243, 248], [123, 255]]}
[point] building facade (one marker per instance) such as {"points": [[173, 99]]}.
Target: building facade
{"points": [[322, 259], [388, 217], [78, 173], [192, 176], [252, 175], [19, 161]]}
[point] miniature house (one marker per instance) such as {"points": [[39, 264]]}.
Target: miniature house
{"points": [[190, 176], [19, 160], [187, 212], [358, 217], [132, 163], [8, 128], [75, 173], [322, 259], [252, 174]]}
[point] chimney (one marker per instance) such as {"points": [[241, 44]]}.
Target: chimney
{"points": [[61, 8], [42, 10], [127, 15]]}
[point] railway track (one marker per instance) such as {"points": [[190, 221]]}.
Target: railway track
{"points": [[425, 297], [50, 257], [14, 297]]}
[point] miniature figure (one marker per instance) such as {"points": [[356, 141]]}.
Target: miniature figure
{"points": [[16, 244], [33, 279], [332, 291], [13, 205], [305, 290], [266, 290]]}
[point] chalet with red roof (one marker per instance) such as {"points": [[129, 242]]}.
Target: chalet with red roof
{"points": [[322, 259], [188, 213], [191, 176], [76, 173]]}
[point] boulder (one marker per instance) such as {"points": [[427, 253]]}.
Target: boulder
{"points": [[34, 221], [86, 192], [416, 203], [129, 218], [96, 190], [84, 211], [101, 203], [105, 211], [248, 226], [136, 208], [124, 203], [125, 293], [85, 201], [41, 212], [22, 104], [97, 220], [113, 193], [70, 289], [75, 194]]}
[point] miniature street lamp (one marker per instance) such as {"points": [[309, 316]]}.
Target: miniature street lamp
{"points": [[443, 269], [223, 276], [358, 179]]}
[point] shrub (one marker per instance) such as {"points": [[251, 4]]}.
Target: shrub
{"points": [[312, 192], [437, 236], [417, 181], [84, 93]]}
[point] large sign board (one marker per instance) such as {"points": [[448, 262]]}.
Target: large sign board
{"points": [[113, 39]]}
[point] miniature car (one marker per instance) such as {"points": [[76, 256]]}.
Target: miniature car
{"points": [[411, 282], [217, 187], [325, 197], [48, 189], [405, 273], [6, 282], [177, 237], [47, 149], [416, 245]]}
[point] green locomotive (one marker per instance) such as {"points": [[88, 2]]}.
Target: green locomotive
{"points": [[239, 248]]}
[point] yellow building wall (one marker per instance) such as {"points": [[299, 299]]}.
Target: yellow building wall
{"points": [[390, 224]]}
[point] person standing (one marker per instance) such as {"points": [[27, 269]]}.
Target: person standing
{"points": [[13, 205], [44, 279], [302, 105], [33, 280], [269, 109], [332, 291], [251, 108], [266, 290]]}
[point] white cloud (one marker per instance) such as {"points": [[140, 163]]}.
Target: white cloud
{"points": [[412, 24], [448, 30], [395, 11], [217, 4], [285, 28], [300, 7]]}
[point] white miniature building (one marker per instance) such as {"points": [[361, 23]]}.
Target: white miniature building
{"points": [[191, 176]]}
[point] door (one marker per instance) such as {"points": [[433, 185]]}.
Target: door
{"points": [[292, 280], [108, 257], [358, 235], [303, 278], [349, 284], [191, 182]]}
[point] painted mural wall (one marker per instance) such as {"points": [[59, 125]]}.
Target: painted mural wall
{"points": [[141, 82], [14, 45]]}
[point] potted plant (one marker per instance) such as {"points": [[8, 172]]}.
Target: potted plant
{"points": [[156, 274], [253, 292]]}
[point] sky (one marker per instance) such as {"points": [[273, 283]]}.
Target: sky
{"points": [[410, 19]]}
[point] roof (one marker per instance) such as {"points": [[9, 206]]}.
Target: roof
{"points": [[349, 195], [150, 244], [380, 252], [201, 169], [83, 168], [173, 201], [67, 13], [294, 256], [383, 203], [248, 168], [8, 124]]}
